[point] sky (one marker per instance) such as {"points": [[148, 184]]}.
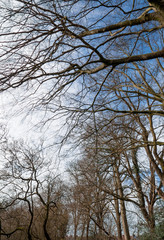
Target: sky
{"points": [[21, 123]]}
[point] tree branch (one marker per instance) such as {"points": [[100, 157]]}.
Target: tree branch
{"points": [[133, 22]]}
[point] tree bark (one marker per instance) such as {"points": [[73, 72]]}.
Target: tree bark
{"points": [[159, 5], [118, 222], [122, 205]]}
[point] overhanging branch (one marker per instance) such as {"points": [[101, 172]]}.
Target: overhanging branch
{"points": [[133, 22]]}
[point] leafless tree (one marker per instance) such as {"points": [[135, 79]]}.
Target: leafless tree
{"points": [[32, 195], [84, 59], [130, 175], [69, 60], [51, 47]]}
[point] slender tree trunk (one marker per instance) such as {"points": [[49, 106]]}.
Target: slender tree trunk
{"points": [[31, 220], [122, 206], [118, 222], [75, 225], [83, 230], [147, 214], [117, 209], [0, 229], [152, 198], [100, 231], [87, 230], [45, 224]]}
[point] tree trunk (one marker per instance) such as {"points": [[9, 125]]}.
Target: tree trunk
{"points": [[122, 205], [159, 5], [87, 230], [118, 222]]}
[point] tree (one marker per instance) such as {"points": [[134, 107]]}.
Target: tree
{"points": [[71, 63], [129, 175], [99, 61], [32, 195], [158, 233], [52, 46], [90, 202]]}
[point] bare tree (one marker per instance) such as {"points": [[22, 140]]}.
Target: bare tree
{"points": [[130, 176], [69, 60], [50, 47], [84, 59], [93, 203], [33, 195]]}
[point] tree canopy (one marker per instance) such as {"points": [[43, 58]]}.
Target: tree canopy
{"points": [[103, 47], [98, 67]]}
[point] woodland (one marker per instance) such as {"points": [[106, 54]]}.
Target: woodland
{"points": [[91, 72]]}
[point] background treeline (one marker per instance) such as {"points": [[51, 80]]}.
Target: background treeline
{"points": [[110, 191]]}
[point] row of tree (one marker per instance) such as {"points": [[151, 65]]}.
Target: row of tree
{"points": [[97, 66], [111, 191]]}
